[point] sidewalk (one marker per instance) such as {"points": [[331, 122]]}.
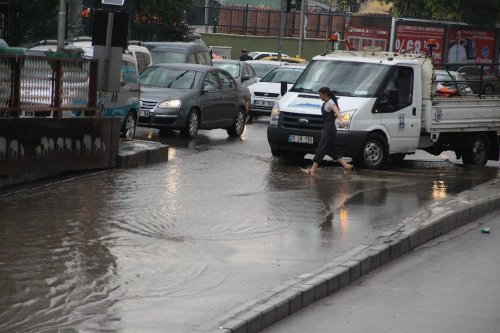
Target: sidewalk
{"points": [[414, 289], [448, 285]]}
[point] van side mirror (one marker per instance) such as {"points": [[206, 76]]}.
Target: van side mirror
{"points": [[284, 87]]}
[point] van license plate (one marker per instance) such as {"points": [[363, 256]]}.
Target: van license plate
{"points": [[300, 139], [144, 114]]}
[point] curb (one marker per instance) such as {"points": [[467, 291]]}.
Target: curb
{"points": [[135, 153], [299, 292]]}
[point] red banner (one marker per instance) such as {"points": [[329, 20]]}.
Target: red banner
{"points": [[360, 37], [414, 39], [471, 46]]}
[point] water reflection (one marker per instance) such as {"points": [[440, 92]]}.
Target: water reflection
{"points": [[56, 270], [438, 190]]}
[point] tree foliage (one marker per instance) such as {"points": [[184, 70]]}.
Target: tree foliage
{"points": [[484, 13]]}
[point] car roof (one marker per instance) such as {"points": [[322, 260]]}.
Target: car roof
{"points": [[177, 46], [197, 67], [267, 62], [228, 61]]}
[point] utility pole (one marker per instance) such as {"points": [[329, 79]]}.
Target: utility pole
{"points": [[207, 6], [280, 43], [302, 27], [61, 24]]}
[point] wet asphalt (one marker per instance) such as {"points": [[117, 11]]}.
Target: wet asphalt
{"points": [[173, 246]]}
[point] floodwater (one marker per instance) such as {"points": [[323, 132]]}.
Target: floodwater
{"points": [[172, 247]]}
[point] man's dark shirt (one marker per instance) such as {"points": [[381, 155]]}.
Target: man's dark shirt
{"points": [[245, 57]]}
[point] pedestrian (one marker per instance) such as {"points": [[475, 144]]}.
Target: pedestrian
{"points": [[244, 55], [330, 111]]}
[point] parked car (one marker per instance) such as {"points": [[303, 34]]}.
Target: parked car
{"points": [[490, 84], [242, 72], [180, 52], [451, 83], [257, 55], [261, 68], [268, 90], [189, 97], [291, 60]]}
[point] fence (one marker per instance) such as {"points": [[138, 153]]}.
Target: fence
{"points": [[39, 85]]}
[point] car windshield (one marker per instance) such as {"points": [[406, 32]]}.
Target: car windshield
{"points": [[159, 57], [279, 74], [174, 78], [263, 69], [344, 77], [233, 69]]}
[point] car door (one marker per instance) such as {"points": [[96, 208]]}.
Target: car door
{"points": [[248, 74], [401, 115], [210, 100], [229, 98]]}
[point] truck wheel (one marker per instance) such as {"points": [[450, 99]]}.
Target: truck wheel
{"points": [[238, 125], [374, 153], [476, 152], [192, 125], [129, 126]]}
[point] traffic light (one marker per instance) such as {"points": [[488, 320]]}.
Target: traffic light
{"points": [[288, 7], [298, 3]]}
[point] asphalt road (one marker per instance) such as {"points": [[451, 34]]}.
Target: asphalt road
{"points": [[173, 246]]}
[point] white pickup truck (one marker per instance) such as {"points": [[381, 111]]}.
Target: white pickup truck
{"points": [[391, 107]]}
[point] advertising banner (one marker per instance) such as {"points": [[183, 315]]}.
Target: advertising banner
{"points": [[360, 37], [414, 39], [471, 46]]}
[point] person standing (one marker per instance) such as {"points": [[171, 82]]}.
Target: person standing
{"points": [[244, 55], [330, 111]]}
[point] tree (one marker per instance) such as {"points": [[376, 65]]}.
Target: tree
{"points": [[483, 13], [163, 19]]}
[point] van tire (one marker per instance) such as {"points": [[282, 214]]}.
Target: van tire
{"points": [[129, 126], [238, 125], [192, 125], [374, 153], [476, 152]]}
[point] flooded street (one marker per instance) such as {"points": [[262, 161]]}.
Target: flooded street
{"points": [[171, 247]]}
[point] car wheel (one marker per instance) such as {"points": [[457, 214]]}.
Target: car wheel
{"points": [[129, 126], [192, 125], [238, 125], [374, 153], [489, 90], [476, 152]]}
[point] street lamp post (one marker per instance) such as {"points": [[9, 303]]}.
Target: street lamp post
{"points": [[61, 24]]}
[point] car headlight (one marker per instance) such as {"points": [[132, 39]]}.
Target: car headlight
{"points": [[170, 104], [275, 114], [346, 118]]}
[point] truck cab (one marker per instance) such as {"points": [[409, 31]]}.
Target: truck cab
{"points": [[379, 97]]}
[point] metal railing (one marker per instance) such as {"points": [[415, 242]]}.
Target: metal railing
{"points": [[37, 85]]}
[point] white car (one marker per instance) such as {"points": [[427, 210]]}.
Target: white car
{"points": [[262, 67], [268, 90], [256, 55]]}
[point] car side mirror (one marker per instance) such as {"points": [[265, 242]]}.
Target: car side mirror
{"points": [[245, 77], [284, 87]]}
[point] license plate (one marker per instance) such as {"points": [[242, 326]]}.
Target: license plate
{"points": [[258, 102], [144, 113], [300, 139]]}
